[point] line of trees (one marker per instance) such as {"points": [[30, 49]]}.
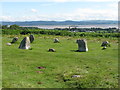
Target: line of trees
{"points": [[15, 29]]}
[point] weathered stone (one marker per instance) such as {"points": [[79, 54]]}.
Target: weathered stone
{"points": [[51, 50], [41, 67], [31, 38], [9, 44], [82, 45], [25, 43], [56, 40], [104, 47], [76, 76], [14, 40], [105, 43]]}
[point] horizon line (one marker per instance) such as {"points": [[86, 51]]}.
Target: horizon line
{"points": [[59, 20]]}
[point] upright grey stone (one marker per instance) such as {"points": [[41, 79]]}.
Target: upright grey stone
{"points": [[14, 40], [25, 43], [31, 38], [56, 40], [82, 45]]}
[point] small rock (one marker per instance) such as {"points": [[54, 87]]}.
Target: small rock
{"points": [[76, 76], [104, 47], [9, 44], [39, 83], [105, 43], [56, 40], [51, 50], [14, 40], [87, 66], [41, 67]]}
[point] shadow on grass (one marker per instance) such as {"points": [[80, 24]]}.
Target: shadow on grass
{"points": [[75, 51]]}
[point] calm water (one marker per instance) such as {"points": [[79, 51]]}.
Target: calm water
{"points": [[78, 26]]}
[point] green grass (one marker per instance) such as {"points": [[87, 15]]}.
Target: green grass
{"points": [[0, 60], [98, 68]]}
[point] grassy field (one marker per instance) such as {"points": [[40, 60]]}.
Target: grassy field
{"points": [[97, 68]]}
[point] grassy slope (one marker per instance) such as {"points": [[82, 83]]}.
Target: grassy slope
{"points": [[98, 68], [0, 60]]}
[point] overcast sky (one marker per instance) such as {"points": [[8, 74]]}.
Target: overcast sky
{"points": [[58, 10]]}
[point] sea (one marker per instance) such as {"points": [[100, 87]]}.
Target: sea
{"points": [[77, 26]]}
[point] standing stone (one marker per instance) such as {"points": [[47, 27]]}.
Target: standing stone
{"points": [[31, 38], [25, 43], [105, 44], [14, 40], [56, 40], [82, 45]]}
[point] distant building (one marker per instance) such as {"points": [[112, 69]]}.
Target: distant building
{"points": [[8, 26]]}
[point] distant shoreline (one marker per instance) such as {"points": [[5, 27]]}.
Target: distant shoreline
{"points": [[77, 26]]}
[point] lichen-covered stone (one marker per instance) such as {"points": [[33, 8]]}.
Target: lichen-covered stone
{"points": [[25, 43], [14, 40], [105, 44], [82, 45], [51, 50], [31, 38], [9, 44], [56, 40]]}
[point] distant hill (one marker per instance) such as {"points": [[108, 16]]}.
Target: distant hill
{"points": [[36, 23]]}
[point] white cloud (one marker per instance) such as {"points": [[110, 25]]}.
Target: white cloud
{"points": [[100, 14], [113, 5], [109, 13], [6, 18], [34, 10], [78, 14]]}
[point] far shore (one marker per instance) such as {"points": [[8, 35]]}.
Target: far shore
{"points": [[77, 26]]}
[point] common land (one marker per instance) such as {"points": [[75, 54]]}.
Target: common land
{"points": [[97, 68]]}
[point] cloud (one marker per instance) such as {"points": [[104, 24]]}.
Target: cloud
{"points": [[113, 5], [65, 16], [77, 14], [96, 14], [34, 10], [6, 18]]}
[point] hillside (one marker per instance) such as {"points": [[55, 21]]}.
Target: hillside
{"points": [[90, 22]]}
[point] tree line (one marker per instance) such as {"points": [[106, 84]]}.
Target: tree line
{"points": [[15, 29]]}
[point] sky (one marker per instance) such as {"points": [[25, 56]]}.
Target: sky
{"points": [[58, 10]]}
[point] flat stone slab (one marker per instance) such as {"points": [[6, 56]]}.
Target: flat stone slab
{"points": [[76, 76], [9, 44], [51, 50]]}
